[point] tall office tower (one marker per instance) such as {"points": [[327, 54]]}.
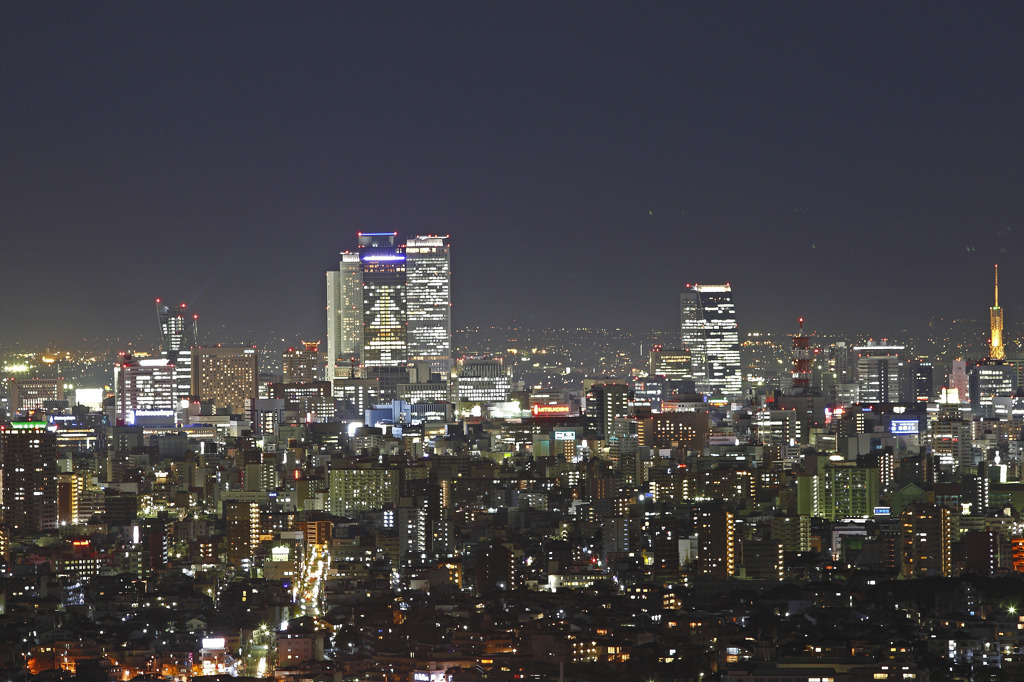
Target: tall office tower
{"points": [[995, 345], [34, 394], [179, 332], [28, 492], [344, 316], [145, 391], [302, 365], [878, 372], [926, 540], [225, 377], [428, 297], [709, 331], [384, 299]]}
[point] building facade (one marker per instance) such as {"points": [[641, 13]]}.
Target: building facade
{"points": [[710, 333], [225, 377]]}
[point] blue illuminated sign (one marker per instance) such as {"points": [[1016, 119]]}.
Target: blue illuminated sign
{"points": [[904, 426]]}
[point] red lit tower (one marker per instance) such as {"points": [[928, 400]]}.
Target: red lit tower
{"points": [[802, 359]]}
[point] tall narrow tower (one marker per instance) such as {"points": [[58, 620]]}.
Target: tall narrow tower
{"points": [[802, 359], [344, 315], [995, 345]]}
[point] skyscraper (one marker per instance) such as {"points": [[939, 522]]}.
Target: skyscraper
{"points": [[428, 296], [28, 495], [344, 315], [709, 331], [385, 314], [390, 303], [179, 332]]}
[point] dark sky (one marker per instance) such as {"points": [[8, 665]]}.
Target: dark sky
{"points": [[861, 164]]}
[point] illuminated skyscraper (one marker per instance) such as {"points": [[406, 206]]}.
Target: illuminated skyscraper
{"points": [[428, 295], [710, 333], [384, 299], [344, 315], [179, 332], [390, 303], [995, 346], [28, 495]]}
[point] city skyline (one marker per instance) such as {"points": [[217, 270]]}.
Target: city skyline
{"points": [[859, 159]]}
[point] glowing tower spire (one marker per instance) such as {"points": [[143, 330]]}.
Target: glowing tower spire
{"points": [[995, 346]]}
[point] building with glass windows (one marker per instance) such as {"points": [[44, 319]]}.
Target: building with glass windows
{"points": [[384, 299], [428, 298], [179, 332], [710, 333], [344, 315]]}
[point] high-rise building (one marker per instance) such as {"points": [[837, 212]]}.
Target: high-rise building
{"points": [[926, 540], [428, 297], [301, 365], [950, 435], [385, 313], [988, 380], [716, 541], [389, 303], [28, 492], [917, 376], [241, 530], [344, 316], [225, 377], [607, 401], [710, 333], [179, 333], [145, 391], [878, 372]]}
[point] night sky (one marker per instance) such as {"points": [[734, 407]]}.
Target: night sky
{"points": [[861, 164]]}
